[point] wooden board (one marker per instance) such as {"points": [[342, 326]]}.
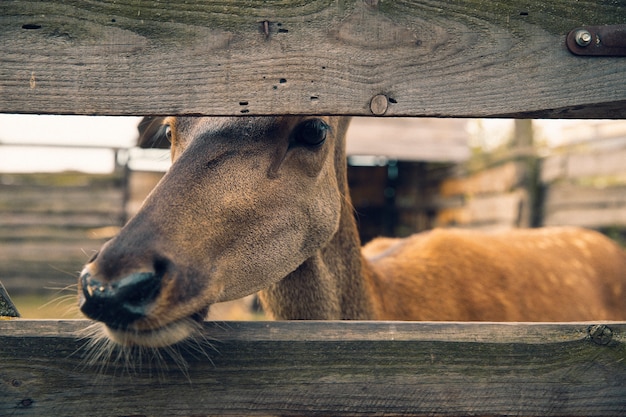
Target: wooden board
{"points": [[466, 58], [591, 217], [609, 164], [404, 139], [497, 211], [324, 368], [585, 190], [566, 195], [500, 179], [51, 224]]}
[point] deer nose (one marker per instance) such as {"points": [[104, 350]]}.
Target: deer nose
{"points": [[121, 302]]}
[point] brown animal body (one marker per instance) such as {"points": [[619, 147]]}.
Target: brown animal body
{"points": [[262, 204]]}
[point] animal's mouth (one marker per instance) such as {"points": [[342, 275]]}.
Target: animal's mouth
{"points": [[156, 337]]}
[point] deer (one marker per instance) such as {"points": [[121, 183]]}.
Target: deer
{"points": [[261, 205]]}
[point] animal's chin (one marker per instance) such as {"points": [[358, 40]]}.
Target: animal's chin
{"points": [[157, 337]]}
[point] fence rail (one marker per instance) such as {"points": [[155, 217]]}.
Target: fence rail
{"points": [[324, 368], [424, 58]]}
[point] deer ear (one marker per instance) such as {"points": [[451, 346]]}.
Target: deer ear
{"points": [[151, 133], [311, 133]]}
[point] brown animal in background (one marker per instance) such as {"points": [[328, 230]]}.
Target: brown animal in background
{"points": [[262, 204]]}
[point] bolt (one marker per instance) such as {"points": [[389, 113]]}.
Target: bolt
{"points": [[583, 37], [379, 104], [600, 334]]}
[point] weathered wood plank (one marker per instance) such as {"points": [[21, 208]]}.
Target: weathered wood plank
{"points": [[553, 168], [325, 368], [591, 217], [61, 200], [500, 179], [50, 224], [566, 195], [42, 266], [62, 234], [429, 58], [432, 140], [580, 165], [499, 210]]}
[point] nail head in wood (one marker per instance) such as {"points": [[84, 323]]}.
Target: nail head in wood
{"points": [[379, 104], [600, 334]]}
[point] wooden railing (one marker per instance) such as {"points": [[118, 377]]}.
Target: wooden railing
{"points": [[423, 58], [323, 368]]}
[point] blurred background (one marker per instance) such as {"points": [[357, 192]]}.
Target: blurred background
{"points": [[68, 183]]}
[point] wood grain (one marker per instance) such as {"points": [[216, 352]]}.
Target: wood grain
{"points": [[468, 58], [325, 368]]}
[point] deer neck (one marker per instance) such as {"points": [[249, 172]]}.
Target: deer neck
{"points": [[336, 283]]}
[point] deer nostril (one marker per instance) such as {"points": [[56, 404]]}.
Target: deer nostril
{"points": [[121, 302]]}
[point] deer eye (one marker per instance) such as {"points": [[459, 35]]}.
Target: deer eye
{"points": [[311, 133], [167, 131]]}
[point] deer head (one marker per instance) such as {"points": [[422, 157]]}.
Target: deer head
{"points": [[245, 203]]}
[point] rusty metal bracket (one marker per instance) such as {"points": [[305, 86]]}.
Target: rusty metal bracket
{"points": [[607, 40], [7, 308]]}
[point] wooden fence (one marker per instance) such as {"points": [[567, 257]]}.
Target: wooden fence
{"points": [[324, 368], [494, 198], [422, 58], [51, 224], [588, 189]]}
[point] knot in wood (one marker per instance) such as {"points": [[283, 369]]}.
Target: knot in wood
{"points": [[600, 334]]}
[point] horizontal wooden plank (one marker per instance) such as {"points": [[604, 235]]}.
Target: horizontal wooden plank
{"points": [[567, 196], [322, 368], [432, 140], [428, 58], [55, 200], [38, 250], [596, 164], [553, 168], [62, 180], [591, 217], [569, 203], [497, 209], [57, 282], [40, 265], [71, 220], [500, 179], [61, 234], [580, 165]]}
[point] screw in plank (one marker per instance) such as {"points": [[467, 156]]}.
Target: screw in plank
{"points": [[583, 37], [600, 334], [379, 104]]}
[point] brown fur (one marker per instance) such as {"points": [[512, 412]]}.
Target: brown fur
{"points": [[242, 210], [551, 274]]}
